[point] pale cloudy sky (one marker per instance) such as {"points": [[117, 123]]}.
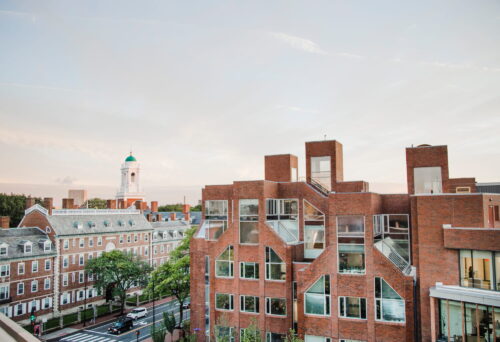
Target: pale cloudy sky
{"points": [[202, 90]]}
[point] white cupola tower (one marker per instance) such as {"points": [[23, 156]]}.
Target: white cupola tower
{"points": [[130, 188]]}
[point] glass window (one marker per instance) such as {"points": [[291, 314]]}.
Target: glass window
{"points": [[4, 270], [389, 306], [82, 243], [66, 244], [275, 267], [249, 304], [47, 265], [34, 266], [224, 263], [224, 301], [34, 286], [216, 209], [46, 284], [320, 171], [249, 225], [314, 231], [351, 244], [427, 180], [27, 248], [249, 270], [20, 288], [312, 338], [352, 307], [476, 269], [275, 337], [20, 268], [224, 334], [4, 291], [214, 229], [276, 306], [317, 297]]}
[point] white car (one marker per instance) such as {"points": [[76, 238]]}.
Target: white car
{"points": [[138, 313]]}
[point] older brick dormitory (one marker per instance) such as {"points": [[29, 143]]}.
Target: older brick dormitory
{"points": [[337, 262], [43, 260]]}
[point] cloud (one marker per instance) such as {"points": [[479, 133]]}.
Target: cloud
{"points": [[299, 43], [296, 109], [309, 46], [68, 180], [461, 66]]}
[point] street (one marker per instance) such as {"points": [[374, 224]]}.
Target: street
{"points": [[99, 333]]}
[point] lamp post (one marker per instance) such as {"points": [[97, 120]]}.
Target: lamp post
{"points": [[84, 299], [154, 319]]}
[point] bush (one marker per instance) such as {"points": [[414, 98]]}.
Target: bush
{"points": [[102, 310], [69, 319]]}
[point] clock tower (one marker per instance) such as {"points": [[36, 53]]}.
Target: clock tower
{"points": [[130, 189]]}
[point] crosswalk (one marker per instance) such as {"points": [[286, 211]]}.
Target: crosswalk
{"points": [[86, 337]]}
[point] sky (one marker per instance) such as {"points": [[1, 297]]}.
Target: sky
{"points": [[200, 91]]}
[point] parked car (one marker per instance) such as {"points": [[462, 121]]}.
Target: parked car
{"points": [[186, 306], [121, 325], [138, 313]]}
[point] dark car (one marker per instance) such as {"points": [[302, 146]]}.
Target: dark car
{"points": [[121, 325]]}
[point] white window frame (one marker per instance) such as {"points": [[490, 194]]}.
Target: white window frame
{"points": [[242, 304], [34, 266], [46, 284], [20, 286], [66, 244], [35, 283], [268, 304], [231, 301], [20, 266], [6, 271], [48, 262], [345, 308], [255, 265]]}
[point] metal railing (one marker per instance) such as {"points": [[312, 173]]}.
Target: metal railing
{"points": [[390, 253], [320, 187]]}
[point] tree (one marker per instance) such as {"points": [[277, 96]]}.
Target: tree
{"points": [[292, 337], [158, 334], [196, 208], [13, 205], [171, 207], [172, 277], [95, 203], [251, 333], [222, 330], [169, 322], [121, 269]]}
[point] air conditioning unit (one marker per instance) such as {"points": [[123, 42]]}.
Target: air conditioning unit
{"points": [[463, 190]]}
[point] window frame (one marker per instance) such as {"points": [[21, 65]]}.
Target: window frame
{"points": [[230, 262], [256, 304], [327, 297], [268, 302], [268, 264], [343, 301], [253, 218], [231, 301], [256, 270]]}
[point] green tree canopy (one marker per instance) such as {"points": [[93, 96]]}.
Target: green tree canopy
{"points": [[122, 270], [96, 203], [171, 207], [172, 277], [13, 205]]}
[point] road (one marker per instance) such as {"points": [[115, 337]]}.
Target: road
{"points": [[99, 333]]}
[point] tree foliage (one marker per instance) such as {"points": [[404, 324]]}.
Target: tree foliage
{"points": [[172, 277], [158, 334], [171, 207], [169, 322], [251, 333], [292, 337], [95, 203], [122, 270], [13, 205]]}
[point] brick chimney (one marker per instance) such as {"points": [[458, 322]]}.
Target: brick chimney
{"points": [[159, 218], [172, 216], [4, 222], [149, 217], [138, 205], [68, 203], [30, 201], [48, 203], [111, 204], [154, 206], [186, 216]]}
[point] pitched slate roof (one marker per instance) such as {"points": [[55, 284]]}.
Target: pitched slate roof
{"points": [[13, 237], [97, 221]]}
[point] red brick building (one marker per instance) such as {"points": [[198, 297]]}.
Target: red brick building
{"points": [[337, 262]]}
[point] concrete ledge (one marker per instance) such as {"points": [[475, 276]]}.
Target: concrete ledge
{"points": [[463, 238], [13, 330]]}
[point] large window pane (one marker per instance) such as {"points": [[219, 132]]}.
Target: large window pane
{"points": [[389, 305], [314, 231], [249, 232], [276, 306], [216, 209], [351, 225], [351, 258], [249, 270], [427, 180], [352, 307], [224, 301], [275, 267], [249, 207], [317, 298], [476, 269], [320, 171], [224, 263]]}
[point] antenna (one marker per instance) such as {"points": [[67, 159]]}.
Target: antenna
{"points": [[325, 137]]}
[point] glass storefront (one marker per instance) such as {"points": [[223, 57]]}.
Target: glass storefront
{"points": [[466, 322]]}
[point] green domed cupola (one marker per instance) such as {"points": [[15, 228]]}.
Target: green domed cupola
{"points": [[131, 158]]}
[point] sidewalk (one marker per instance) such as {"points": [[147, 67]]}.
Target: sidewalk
{"points": [[99, 320]]}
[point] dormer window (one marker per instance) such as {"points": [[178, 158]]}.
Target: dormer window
{"points": [[155, 235], [107, 223], [46, 244], [27, 246], [78, 225], [131, 222], [120, 223], [4, 249], [91, 224], [165, 235]]}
